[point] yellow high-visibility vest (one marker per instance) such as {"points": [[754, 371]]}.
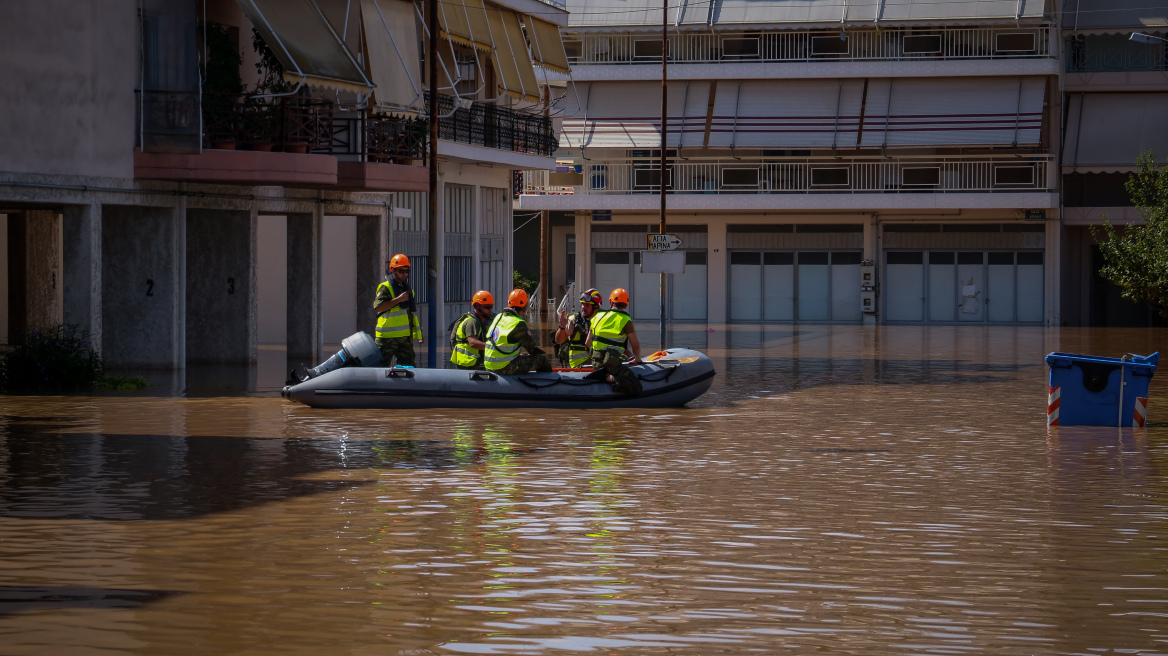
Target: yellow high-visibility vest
{"points": [[463, 354], [607, 330], [497, 355], [396, 322]]}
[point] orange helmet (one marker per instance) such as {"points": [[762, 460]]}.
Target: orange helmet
{"points": [[619, 295], [517, 299], [399, 260], [483, 298]]}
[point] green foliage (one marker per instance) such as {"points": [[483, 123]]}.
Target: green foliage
{"points": [[221, 69], [50, 360], [525, 283], [269, 67], [1136, 256], [123, 383]]}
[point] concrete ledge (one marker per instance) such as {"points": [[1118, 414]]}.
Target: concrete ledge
{"points": [[504, 159], [1121, 81], [1096, 215], [248, 167], [373, 176], [782, 202]]}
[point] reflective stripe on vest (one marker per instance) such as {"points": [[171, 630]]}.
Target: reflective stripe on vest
{"points": [[464, 355], [497, 356], [577, 352], [395, 322], [607, 329]]}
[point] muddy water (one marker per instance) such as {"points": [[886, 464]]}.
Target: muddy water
{"points": [[856, 492]]}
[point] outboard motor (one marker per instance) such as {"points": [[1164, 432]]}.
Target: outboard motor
{"points": [[357, 350]]}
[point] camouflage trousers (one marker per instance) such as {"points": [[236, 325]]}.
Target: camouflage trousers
{"points": [[526, 362], [624, 379], [401, 348], [476, 367]]}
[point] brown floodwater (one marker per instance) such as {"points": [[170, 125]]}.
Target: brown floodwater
{"points": [[840, 489]]}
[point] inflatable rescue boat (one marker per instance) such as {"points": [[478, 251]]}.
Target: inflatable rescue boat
{"points": [[669, 378]]}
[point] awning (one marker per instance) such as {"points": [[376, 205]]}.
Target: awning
{"points": [[786, 114], [628, 115], [465, 22], [510, 59], [959, 10], [391, 47], [1115, 15], [547, 48], [1110, 130], [306, 45], [594, 13], [954, 111]]}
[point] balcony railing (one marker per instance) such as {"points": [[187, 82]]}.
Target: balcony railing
{"points": [[380, 139], [866, 45], [483, 124], [799, 176], [290, 124], [168, 121], [1113, 54]]}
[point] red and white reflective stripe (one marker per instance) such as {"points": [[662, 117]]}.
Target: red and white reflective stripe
{"points": [[1141, 414], [1052, 406]]}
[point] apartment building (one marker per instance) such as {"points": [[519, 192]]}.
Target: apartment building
{"points": [[806, 140], [187, 179]]}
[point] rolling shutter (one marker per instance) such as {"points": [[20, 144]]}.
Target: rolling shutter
{"points": [[787, 114]]}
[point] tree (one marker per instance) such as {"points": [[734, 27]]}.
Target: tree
{"points": [[1136, 256]]}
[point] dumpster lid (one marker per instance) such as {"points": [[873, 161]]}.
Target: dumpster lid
{"points": [[1057, 359]]}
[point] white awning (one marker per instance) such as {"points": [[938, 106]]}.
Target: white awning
{"points": [[954, 111], [1115, 15], [793, 114], [628, 115], [305, 43], [391, 47], [1110, 130]]}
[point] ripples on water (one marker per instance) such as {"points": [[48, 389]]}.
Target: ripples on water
{"points": [[849, 492]]}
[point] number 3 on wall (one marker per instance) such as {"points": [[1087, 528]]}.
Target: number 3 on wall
{"points": [[231, 285]]}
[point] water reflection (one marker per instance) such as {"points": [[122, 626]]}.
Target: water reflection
{"points": [[891, 491]]}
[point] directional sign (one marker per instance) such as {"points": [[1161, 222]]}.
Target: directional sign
{"points": [[664, 242]]}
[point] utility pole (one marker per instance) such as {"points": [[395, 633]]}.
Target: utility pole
{"points": [[664, 132], [432, 263]]}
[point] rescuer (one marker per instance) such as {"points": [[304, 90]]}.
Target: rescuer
{"points": [[612, 337], [468, 338], [508, 334], [574, 330], [397, 314]]}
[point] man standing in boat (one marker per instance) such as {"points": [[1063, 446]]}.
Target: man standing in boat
{"points": [[508, 334], [397, 314], [612, 337], [573, 331], [468, 338]]}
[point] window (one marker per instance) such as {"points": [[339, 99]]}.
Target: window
{"points": [[574, 49], [1030, 257], [650, 179], [740, 178], [695, 258], [459, 279], [973, 257], [745, 257], [810, 257], [912, 227], [1014, 42], [647, 49], [943, 257], [834, 44], [922, 44], [778, 259], [906, 258], [1001, 259], [612, 257], [740, 47], [846, 257], [833, 177], [1013, 176], [921, 177], [467, 74]]}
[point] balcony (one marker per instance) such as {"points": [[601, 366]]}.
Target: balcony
{"points": [[492, 126], [896, 44], [793, 183], [1114, 53]]}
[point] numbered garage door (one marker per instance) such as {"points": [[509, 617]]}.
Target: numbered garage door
{"points": [[795, 286], [686, 291], [963, 286]]}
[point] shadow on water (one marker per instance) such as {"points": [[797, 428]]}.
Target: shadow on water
{"points": [[53, 475], [24, 598]]}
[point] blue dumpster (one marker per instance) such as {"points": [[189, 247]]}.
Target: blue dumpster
{"points": [[1088, 390]]}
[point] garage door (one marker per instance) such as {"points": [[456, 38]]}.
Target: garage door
{"points": [[794, 286], [687, 291], [904, 286], [964, 286]]}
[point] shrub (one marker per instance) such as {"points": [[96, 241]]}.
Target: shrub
{"points": [[50, 360]]}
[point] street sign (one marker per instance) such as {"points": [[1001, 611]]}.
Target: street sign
{"points": [[601, 215], [664, 242], [663, 262], [1035, 215]]}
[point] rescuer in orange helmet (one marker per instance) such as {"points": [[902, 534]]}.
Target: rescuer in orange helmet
{"points": [[397, 314], [612, 337], [508, 334], [468, 334]]}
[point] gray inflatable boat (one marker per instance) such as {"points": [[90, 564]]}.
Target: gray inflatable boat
{"points": [[670, 379]]}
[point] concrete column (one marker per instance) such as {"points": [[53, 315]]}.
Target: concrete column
{"points": [[1053, 272], [43, 284], [583, 251], [717, 290], [372, 252], [140, 287], [81, 246], [304, 324], [178, 218], [872, 253], [438, 294], [221, 286], [17, 253]]}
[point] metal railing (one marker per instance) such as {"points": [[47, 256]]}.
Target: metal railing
{"points": [[168, 120], [380, 139], [886, 44], [801, 176], [291, 124], [1113, 54], [492, 126]]}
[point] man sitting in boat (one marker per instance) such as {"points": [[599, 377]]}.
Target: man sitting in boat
{"points": [[613, 336], [508, 334], [468, 339], [574, 330]]}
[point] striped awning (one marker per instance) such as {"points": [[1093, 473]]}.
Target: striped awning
{"points": [[794, 114]]}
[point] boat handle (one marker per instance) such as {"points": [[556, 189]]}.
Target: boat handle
{"points": [[483, 375], [399, 373]]}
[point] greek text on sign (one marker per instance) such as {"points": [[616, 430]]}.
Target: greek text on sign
{"points": [[664, 242]]}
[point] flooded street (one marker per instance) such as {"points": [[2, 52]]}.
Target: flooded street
{"points": [[887, 490]]}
